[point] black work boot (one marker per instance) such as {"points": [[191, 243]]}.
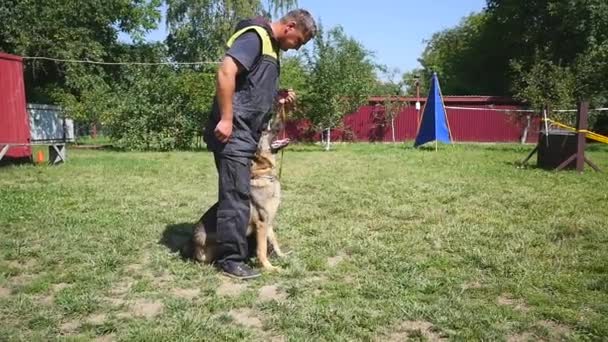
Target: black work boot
{"points": [[238, 270]]}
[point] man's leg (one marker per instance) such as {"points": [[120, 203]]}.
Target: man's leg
{"points": [[233, 216], [209, 218]]}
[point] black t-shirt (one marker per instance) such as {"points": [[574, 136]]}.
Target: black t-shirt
{"points": [[246, 49]]}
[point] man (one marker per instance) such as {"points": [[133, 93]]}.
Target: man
{"points": [[246, 91]]}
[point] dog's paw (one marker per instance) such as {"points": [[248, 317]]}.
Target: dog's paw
{"points": [[270, 268], [283, 255]]}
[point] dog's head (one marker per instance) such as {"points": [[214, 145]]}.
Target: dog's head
{"points": [[264, 159], [270, 134]]}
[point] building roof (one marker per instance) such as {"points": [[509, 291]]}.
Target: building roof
{"points": [[10, 57]]}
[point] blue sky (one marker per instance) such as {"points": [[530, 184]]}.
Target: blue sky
{"points": [[394, 29]]}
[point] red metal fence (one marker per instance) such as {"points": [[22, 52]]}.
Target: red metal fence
{"points": [[476, 119]]}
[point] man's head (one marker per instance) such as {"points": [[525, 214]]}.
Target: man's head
{"points": [[295, 29]]}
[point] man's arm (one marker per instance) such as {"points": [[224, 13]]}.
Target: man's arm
{"points": [[226, 83], [239, 58]]}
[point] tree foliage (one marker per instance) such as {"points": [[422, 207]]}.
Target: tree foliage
{"points": [[141, 107], [70, 30], [341, 76], [506, 49], [198, 29]]}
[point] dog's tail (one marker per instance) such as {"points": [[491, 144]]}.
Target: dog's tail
{"points": [[198, 238], [187, 250]]}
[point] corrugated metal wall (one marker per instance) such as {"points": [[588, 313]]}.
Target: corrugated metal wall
{"points": [[14, 123], [474, 124]]}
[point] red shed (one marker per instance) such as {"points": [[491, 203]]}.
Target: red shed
{"points": [[14, 120]]}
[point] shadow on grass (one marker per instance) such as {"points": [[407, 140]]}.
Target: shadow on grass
{"points": [[177, 238], [116, 148], [518, 165], [8, 161]]}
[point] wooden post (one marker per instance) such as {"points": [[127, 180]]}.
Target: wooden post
{"points": [[582, 124], [581, 127], [535, 150]]}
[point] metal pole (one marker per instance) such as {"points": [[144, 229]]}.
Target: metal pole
{"points": [[417, 106], [546, 126]]}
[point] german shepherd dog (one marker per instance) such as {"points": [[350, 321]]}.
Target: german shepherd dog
{"points": [[265, 200]]}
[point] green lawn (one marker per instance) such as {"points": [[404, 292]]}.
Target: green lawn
{"points": [[388, 242]]}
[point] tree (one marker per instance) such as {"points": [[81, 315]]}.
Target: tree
{"points": [[80, 31], [341, 79], [391, 89], [70, 30], [564, 53], [467, 57], [199, 29], [293, 73], [544, 52]]}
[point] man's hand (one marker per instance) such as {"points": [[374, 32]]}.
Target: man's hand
{"points": [[223, 130], [286, 97]]}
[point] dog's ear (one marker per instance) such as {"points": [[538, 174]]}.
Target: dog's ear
{"points": [[265, 141]]}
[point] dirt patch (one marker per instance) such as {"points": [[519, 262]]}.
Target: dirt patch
{"points": [[555, 329], [523, 337], [21, 280], [317, 283], [507, 300], [146, 308], [97, 319], [4, 292], [134, 268], [162, 280], [60, 286], [69, 327], [105, 338], [124, 315], [472, 285], [412, 329], [115, 301], [335, 260], [271, 292], [186, 293], [317, 280], [349, 279], [45, 300], [246, 317], [122, 287], [137, 267], [557, 332], [230, 289], [15, 264]]}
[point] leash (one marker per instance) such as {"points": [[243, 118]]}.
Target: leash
{"points": [[282, 117]]}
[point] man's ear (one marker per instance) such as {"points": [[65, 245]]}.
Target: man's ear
{"points": [[292, 24]]}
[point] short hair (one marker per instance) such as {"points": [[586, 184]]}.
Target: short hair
{"points": [[304, 21]]}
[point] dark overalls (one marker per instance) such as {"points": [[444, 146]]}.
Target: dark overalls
{"points": [[252, 103]]}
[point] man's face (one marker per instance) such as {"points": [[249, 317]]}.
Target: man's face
{"points": [[293, 37]]}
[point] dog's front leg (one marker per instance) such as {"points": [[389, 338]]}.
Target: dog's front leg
{"points": [[262, 245], [274, 242]]}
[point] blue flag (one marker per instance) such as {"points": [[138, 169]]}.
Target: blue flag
{"points": [[434, 125]]}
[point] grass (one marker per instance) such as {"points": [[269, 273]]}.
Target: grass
{"points": [[388, 243]]}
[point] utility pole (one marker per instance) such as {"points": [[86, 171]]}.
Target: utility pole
{"points": [[417, 84]]}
